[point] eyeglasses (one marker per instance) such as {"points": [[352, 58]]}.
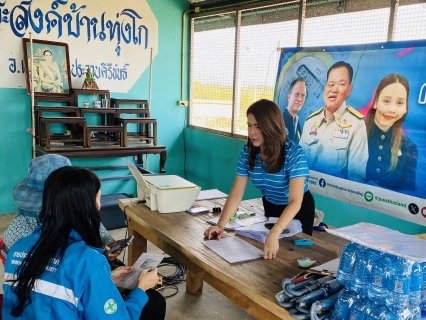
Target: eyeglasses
{"points": [[300, 95]]}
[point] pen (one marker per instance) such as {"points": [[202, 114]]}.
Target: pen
{"points": [[237, 215], [247, 215]]}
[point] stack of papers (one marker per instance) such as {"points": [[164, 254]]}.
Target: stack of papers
{"points": [[234, 249], [259, 232], [239, 223]]}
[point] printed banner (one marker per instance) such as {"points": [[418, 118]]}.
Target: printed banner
{"points": [[113, 38], [361, 122]]}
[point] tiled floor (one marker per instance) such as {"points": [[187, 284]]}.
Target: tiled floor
{"points": [[209, 305]]}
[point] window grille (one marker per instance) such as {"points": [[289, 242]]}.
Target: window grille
{"points": [[234, 55]]}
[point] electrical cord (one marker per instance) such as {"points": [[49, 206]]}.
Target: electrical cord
{"points": [[172, 280], [125, 219], [127, 229]]}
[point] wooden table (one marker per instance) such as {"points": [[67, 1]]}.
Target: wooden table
{"points": [[39, 110], [104, 94], [252, 285], [45, 123], [103, 112]]}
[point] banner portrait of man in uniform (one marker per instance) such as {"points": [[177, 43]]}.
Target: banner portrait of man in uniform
{"points": [[362, 130]]}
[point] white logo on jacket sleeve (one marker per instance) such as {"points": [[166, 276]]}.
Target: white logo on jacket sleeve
{"points": [[110, 306]]}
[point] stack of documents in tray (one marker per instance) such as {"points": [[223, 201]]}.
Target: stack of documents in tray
{"points": [[259, 232]]}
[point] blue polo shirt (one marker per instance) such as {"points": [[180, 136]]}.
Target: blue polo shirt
{"points": [[275, 186]]}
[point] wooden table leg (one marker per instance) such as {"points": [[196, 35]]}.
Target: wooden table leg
{"points": [[137, 247], [194, 281], [124, 134], [155, 132], [47, 133], [163, 156]]}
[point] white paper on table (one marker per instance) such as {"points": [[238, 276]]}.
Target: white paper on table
{"points": [[259, 232], [234, 249], [239, 223], [145, 261], [211, 194]]}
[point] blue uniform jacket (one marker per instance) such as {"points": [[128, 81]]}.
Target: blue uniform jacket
{"points": [[77, 287], [379, 150]]}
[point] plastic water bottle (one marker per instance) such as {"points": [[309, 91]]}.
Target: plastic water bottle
{"points": [[415, 313], [364, 261], [378, 312], [415, 292], [378, 286], [360, 309], [423, 291], [399, 284], [415, 285], [347, 260], [343, 303], [398, 313]]}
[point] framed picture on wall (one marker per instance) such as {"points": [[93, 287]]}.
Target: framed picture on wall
{"points": [[50, 72]]}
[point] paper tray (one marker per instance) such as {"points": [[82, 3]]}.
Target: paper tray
{"points": [[384, 239]]}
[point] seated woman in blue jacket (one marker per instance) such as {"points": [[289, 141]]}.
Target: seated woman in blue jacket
{"points": [[392, 156], [59, 271]]}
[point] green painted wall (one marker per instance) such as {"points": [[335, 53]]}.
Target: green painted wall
{"points": [[204, 158], [15, 143], [211, 161]]}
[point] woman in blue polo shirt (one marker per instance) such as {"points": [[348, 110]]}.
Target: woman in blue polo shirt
{"points": [[59, 271], [278, 168]]}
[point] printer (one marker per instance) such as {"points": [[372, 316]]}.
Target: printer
{"points": [[165, 193]]}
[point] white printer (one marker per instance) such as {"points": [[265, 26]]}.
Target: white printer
{"points": [[165, 193]]}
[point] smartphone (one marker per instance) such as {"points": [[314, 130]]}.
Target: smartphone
{"points": [[123, 244], [271, 225]]}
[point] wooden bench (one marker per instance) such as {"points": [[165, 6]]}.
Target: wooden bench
{"points": [[142, 110], [144, 113], [107, 114], [45, 130], [100, 129], [106, 151], [67, 110], [68, 100], [140, 121], [142, 104], [144, 130]]}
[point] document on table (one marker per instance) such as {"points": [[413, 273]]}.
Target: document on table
{"points": [[234, 249], [239, 223], [211, 194], [259, 232], [145, 261]]}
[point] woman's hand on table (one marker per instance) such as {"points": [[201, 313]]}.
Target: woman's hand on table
{"points": [[214, 232], [271, 247]]}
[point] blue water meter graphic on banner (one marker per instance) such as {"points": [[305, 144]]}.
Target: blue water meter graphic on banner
{"points": [[312, 66]]}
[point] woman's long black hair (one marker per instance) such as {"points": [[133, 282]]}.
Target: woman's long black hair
{"points": [[69, 202]]}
